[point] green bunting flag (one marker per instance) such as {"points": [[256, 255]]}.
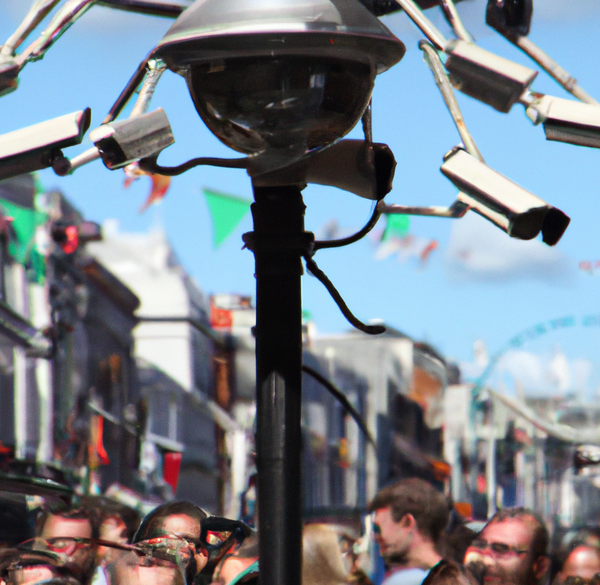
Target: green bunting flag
{"points": [[226, 212], [397, 226], [24, 224]]}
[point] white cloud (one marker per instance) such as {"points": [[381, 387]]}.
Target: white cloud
{"points": [[526, 370], [558, 372], [480, 252], [539, 375], [582, 370], [97, 19]]}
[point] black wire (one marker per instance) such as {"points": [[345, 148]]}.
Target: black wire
{"points": [[151, 166], [341, 398], [322, 244], [339, 301]]}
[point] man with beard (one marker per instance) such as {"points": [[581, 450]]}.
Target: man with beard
{"points": [[179, 520], [410, 517], [67, 533], [512, 549]]}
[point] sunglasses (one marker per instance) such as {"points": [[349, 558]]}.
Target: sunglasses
{"points": [[497, 549], [165, 550], [218, 535], [62, 546], [572, 580]]}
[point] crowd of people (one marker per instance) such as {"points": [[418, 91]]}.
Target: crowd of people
{"points": [[422, 542], [420, 537]]}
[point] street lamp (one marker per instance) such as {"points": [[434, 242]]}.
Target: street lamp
{"points": [[279, 80]]}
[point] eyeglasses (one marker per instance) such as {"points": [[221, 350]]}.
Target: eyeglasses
{"points": [[60, 545], [346, 544], [67, 546], [497, 549], [573, 580], [219, 535]]}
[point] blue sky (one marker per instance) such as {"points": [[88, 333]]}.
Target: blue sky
{"points": [[479, 284]]}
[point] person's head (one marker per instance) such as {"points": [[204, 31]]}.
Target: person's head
{"points": [[130, 569], [512, 549], [65, 532], [322, 562], [410, 513], [23, 566], [585, 536], [448, 573], [582, 561], [76, 523], [116, 523], [178, 519], [234, 563]]}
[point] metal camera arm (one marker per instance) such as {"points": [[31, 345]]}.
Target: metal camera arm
{"points": [[513, 20], [501, 83], [117, 143], [511, 208], [11, 63]]}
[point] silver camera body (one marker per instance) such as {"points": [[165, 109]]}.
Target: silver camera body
{"points": [[567, 120], [486, 77], [518, 212], [126, 141], [37, 147]]}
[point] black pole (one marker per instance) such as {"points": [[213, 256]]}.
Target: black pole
{"points": [[278, 242]]}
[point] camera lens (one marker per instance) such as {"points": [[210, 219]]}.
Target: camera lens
{"points": [[288, 105]]}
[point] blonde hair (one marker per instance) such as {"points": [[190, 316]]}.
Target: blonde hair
{"points": [[322, 562]]}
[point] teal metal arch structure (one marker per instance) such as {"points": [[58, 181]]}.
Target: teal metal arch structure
{"points": [[530, 334]]}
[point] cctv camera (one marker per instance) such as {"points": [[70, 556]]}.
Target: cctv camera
{"points": [[567, 120], [513, 209], [9, 72], [126, 141], [486, 77], [510, 18], [37, 147], [367, 170]]}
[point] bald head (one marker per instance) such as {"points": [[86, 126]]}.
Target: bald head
{"points": [[583, 561]]}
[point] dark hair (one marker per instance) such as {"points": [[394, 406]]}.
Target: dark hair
{"points": [[153, 521], [456, 541], [106, 508], [540, 537], [449, 573], [419, 499], [248, 549]]}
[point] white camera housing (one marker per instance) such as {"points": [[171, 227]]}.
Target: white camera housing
{"points": [[126, 141], [567, 120], [36, 147], [518, 212], [486, 77]]}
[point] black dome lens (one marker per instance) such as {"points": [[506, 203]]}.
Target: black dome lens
{"points": [[289, 104]]}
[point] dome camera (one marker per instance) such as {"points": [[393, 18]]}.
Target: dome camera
{"points": [[278, 79], [281, 106]]}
